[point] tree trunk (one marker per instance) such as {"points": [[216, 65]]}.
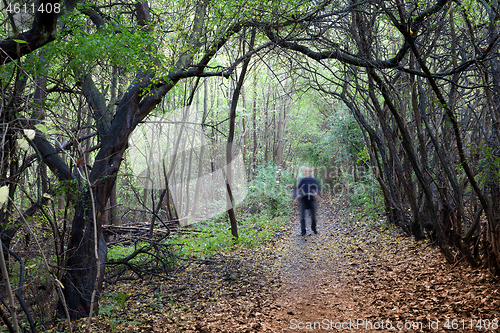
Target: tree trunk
{"points": [[81, 265], [254, 126], [230, 139]]}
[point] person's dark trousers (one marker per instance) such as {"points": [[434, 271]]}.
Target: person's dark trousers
{"points": [[311, 205]]}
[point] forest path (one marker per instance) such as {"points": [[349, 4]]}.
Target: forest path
{"points": [[354, 275], [360, 276]]}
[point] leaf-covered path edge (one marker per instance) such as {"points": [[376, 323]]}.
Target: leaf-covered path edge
{"points": [[357, 273]]}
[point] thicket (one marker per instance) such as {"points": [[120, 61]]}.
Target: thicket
{"points": [[279, 84]]}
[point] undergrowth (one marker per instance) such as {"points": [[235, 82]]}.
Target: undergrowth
{"points": [[212, 236]]}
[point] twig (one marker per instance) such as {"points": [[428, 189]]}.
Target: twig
{"points": [[456, 263], [20, 289], [11, 306], [96, 243], [6, 319], [113, 206], [58, 283]]}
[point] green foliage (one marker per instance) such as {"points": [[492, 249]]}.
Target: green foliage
{"points": [[121, 251], [121, 299], [487, 161], [344, 140], [367, 197], [114, 43], [363, 156], [114, 309], [336, 141], [264, 211], [270, 192], [212, 236]]}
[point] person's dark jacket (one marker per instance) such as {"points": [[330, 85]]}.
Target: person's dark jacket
{"points": [[308, 188]]}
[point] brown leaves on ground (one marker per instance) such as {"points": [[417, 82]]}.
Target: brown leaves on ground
{"points": [[230, 292], [365, 273], [353, 272]]}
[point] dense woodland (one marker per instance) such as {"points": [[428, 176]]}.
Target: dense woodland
{"points": [[396, 104]]}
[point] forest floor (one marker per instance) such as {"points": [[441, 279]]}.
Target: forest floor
{"points": [[354, 275]]}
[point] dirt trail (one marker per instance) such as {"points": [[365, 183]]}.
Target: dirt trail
{"points": [[313, 286], [358, 276]]}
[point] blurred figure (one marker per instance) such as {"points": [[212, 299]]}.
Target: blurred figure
{"points": [[307, 192]]}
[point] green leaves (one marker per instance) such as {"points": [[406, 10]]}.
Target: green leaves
{"points": [[119, 42], [42, 128], [364, 155]]}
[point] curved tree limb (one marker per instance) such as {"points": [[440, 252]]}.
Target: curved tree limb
{"points": [[42, 32]]}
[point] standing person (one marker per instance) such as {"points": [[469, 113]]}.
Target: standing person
{"points": [[307, 191]]}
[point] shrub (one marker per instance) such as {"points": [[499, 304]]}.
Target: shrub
{"points": [[367, 196], [270, 192]]}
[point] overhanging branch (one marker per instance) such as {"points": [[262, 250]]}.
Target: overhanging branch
{"points": [[42, 32]]}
